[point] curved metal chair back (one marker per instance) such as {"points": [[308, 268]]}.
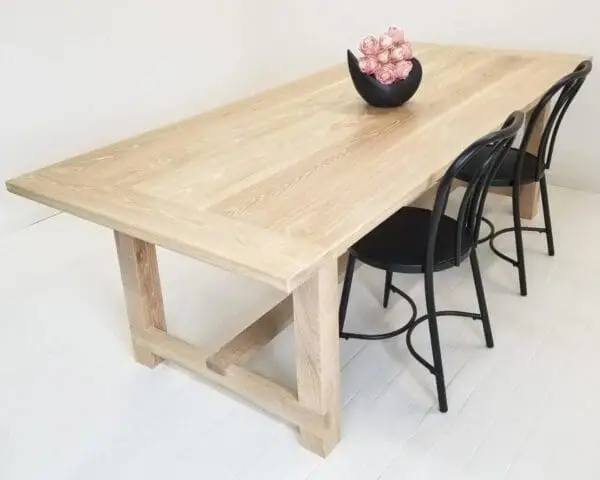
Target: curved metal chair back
{"points": [[471, 207], [565, 90]]}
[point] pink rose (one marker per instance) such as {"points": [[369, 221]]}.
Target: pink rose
{"points": [[407, 50], [368, 65], [386, 42], [396, 54], [396, 34], [403, 69], [369, 46], [386, 74], [383, 57]]}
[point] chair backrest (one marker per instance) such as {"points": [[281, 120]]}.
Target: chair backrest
{"points": [[488, 152], [564, 91]]}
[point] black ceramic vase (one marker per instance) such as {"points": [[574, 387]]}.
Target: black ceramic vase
{"points": [[384, 96]]}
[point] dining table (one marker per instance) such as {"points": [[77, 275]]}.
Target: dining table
{"points": [[277, 187]]}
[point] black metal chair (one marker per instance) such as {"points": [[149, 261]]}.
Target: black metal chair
{"points": [[521, 167], [421, 241]]}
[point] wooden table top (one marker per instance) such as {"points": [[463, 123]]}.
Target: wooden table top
{"points": [[270, 185]]}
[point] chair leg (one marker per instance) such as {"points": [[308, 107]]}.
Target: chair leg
{"points": [[438, 369], [547, 221], [388, 288], [346, 291], [519, 241], [485, 318]]}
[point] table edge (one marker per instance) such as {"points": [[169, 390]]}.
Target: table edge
{"points": [[284, 283]]}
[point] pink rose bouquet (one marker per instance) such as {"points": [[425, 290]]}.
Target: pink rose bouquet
{"points": [[386, 57]]}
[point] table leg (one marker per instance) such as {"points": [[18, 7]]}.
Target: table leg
{"points": [[530, 194], [317, 354], [143, 295]]}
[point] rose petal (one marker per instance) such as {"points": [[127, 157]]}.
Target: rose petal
{"points": [[383, 57], [396, 54], [368, 65], [386, 74], [386, 42], [403, 69], [369, 46], [407, 52], [396, 33]]}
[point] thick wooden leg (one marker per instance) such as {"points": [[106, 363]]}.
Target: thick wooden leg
{"points": [[317, 355], [530, 194], [143, 295], [530, 200]]}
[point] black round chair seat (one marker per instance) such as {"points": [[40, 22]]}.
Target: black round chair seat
{"points": [[400, 243], [506, 173]]}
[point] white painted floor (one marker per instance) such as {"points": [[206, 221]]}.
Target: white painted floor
{"points": [[74, 405]]}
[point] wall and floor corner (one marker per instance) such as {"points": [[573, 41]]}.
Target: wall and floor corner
{"points": [[78, 75]]}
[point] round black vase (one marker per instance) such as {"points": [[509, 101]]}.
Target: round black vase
{"points": [[384, 96]]}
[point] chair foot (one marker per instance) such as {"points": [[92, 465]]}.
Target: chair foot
{"points": [[523, 291], [442, 400], [485, 318], [441, 394]]}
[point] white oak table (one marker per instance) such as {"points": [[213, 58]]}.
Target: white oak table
{"points": [[277, 187]]}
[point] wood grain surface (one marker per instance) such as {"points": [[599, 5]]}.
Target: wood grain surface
{"points": [[272, 185]]}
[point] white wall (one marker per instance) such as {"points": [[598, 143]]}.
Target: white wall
{"points": [[77, 74]]}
